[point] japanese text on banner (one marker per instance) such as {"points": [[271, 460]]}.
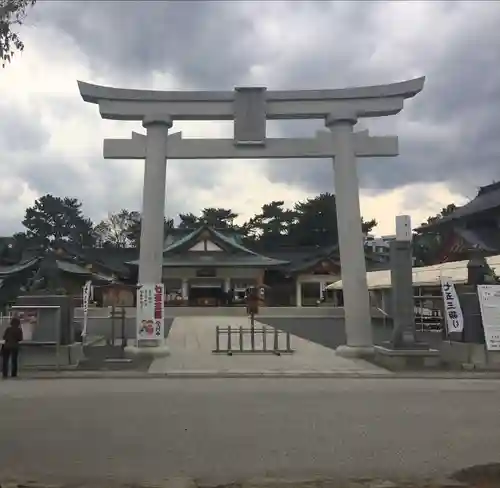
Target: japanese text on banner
{"points": [[150, 312], [86, 299], [452, 308]]}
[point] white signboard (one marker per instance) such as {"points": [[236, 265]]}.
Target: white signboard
{"points": [[29, 320], [452, 308], [489, 301], [150, 312]]}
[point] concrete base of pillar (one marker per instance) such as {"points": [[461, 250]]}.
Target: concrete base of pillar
{"points": [[355, 351], [407, 359], [156, 350]]}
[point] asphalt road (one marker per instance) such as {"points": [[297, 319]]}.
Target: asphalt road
{"points": [[226, 429]]}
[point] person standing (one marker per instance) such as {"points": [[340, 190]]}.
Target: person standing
{"points": [[12, 337]]}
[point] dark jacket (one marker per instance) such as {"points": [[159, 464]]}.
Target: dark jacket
{"points": [[12, 336]]}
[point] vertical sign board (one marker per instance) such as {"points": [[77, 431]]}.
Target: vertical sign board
{"points": [[489, 301], [452, 308], [85, 303], [150, 315]]}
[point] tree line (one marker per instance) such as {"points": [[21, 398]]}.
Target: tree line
{"points": [[312, 222], [309, 223]]}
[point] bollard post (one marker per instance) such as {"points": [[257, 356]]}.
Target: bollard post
{"points": [[217, 334], [113, 317], [252, 336], [124, 335], [229, 352], [288, 346], [241, 338], [264, 339], [276, 345]]}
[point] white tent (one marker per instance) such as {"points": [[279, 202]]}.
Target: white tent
{"points": [[425, 275]]}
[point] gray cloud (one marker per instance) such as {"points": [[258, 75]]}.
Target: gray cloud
{"points": [[447, 133], [20, 131], [201, 43], [462, 92]]}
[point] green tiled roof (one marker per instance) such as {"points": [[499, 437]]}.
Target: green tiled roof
{"points": [[226, 238], [231, 260], [17, 268], [224, 260], [237, 255], [73, 268]]}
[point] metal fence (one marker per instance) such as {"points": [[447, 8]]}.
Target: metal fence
{"points": [[112, 328], [429, 315], [267, 340]]}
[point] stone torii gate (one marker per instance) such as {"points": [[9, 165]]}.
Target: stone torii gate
{"points": [[250, 107]]}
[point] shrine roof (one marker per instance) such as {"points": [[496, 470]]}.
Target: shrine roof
{"points": [[6, 271], [230, 252], [76, 269], [488, 198], [65, 265], [226, 260], [227, 240], [481, 238]]}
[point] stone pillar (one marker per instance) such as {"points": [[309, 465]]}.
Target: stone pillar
{"points": [[185, 289], [153, 199], [298, 293], [478, 273], [403, 303], [153, 211], [352, 252]]}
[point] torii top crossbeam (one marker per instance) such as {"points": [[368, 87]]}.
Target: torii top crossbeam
{"points": [[249, 107]]}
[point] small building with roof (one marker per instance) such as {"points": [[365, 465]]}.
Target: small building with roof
{"points": [[475, 225]]}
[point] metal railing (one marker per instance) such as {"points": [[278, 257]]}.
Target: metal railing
{"points": [[112, 329], [385, 316], [251, 340], [429, 313]]}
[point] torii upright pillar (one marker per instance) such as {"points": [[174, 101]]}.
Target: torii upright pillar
{"points": [[352, 252], [153, 199]]}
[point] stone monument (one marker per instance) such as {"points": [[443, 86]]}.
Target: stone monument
{"points": [[250, 108]]}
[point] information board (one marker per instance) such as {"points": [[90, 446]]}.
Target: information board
{"points": [[489, 301]]}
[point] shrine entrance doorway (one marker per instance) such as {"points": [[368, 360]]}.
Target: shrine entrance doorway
{"points": [[206, 293]]}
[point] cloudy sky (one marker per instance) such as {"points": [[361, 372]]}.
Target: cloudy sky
{"points": [[51, 141]]}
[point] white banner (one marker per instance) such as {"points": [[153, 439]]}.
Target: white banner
{"points": [[85, 304], [150, 316], [452, 308], [489, 301]]}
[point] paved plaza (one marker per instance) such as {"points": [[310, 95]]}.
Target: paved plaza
{"points": [[225, 429], [192, 339]]}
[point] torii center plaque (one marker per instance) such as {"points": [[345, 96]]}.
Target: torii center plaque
{"points": [[250, 108]]}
